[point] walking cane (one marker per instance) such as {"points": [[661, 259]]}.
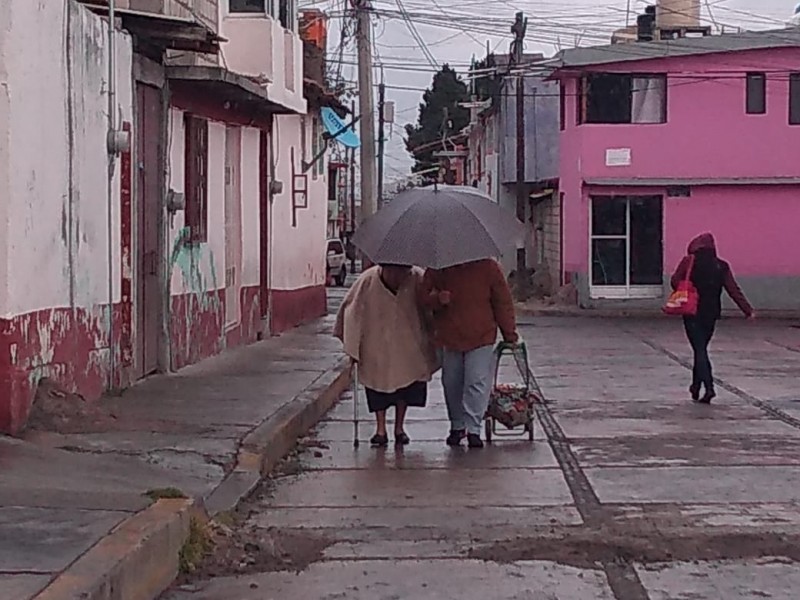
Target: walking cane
{"points": [[355, 405]]}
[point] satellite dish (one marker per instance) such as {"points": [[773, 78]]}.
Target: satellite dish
{"points": [[338, 129]]}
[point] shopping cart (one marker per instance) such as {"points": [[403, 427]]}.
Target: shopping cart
{"points": [[512, 404]]}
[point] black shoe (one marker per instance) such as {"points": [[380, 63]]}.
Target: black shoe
{"points": [[709, 396], [379, 441], [474, 441], [455, 437], [401, 439], [694, 390]]}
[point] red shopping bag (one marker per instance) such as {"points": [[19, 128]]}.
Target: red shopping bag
{"points": [[683, 301]]}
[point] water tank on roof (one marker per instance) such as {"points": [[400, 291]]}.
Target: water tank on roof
{"points": [[645, 25], [677, 14], [794, 21]]}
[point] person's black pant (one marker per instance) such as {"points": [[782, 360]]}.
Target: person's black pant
{"points": [[700, 331]]}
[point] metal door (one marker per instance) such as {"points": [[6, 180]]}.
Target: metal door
{"points": [[149, 194]]}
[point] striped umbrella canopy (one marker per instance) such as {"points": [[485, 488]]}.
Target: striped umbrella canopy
{"points": [[437, 227]]}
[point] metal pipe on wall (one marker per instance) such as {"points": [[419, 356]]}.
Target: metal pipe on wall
{"points": [[112, 149]]}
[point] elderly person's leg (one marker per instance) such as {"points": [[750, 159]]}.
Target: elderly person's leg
{"points": [[400, 436], [381, 438], [378, 403], [478, 380], [453, 382]]}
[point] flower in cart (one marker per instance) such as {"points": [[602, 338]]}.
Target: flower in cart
{"points": [[511, 404]]}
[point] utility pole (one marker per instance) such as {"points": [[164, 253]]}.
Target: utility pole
{"points": [[352, 154], [517, 49], [366, 105], [381, 138]]}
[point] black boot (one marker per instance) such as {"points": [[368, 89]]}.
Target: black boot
{"points": [[474, 441], [694, 390], [455, 437], [709, 395]]}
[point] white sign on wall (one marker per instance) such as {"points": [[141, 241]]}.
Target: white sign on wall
{"points": [[618, 157]]}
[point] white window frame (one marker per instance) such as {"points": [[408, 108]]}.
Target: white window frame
{"points": [[626, 291]]}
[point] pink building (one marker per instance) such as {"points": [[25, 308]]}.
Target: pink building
{"points": [[661, 141]]}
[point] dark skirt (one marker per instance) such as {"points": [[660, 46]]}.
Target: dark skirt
{"points": [[415, 395]]}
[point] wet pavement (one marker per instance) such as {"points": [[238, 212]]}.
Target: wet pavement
{"points": [[61, 492], [630, 491]]}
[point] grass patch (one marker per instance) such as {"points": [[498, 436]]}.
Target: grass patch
{"points": [[197, 545], [227, 518], [169, 493]]}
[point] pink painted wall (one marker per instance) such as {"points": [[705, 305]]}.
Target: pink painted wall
{"points": [[755, 227], [707, 135]]}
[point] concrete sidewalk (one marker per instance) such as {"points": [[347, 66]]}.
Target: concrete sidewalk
{"points": [[74, 515], [630, 491]]}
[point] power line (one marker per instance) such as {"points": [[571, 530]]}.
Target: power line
{"points": [[415, 34]]}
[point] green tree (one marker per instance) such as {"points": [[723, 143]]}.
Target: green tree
{"points": [[439, 115]]}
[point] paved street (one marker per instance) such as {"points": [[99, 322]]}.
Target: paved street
{"points": [[629, 492]]}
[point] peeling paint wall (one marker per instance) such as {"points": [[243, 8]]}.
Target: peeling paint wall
{"points": [[55, 315], [197, 271], [198, 268], [298, 253], [58, 175]]}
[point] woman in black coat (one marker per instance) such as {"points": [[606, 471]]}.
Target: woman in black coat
{"points": [[710, 276]]}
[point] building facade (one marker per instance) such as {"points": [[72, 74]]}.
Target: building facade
{"points": [[207, 229], [492, 162], [666, 141]]}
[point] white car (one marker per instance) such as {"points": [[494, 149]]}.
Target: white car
{"points": [[337, 262]]}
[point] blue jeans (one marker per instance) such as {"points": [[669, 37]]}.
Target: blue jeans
{"points": [[467, 378]]}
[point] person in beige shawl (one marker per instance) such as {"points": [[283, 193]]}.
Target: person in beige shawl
{"points": [[383, 328]]}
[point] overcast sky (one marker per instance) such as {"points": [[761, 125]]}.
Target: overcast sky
{"points": [[453, 31]]}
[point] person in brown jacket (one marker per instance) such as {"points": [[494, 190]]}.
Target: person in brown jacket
{"points": [[470, 303], [710, 276]]}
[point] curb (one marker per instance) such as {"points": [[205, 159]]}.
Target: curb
{"points": [[139, 559], [274, 438], [587, 313], [622, 313]]}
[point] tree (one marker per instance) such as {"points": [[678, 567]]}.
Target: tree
{"points": [[442, 99], [488, 86]]}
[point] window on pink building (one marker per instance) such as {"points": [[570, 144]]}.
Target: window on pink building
{"points": [[756, 93], [622, 98], [794, 99]]}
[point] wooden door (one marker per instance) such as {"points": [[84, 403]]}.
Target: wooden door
{"points": [[149, 195]]}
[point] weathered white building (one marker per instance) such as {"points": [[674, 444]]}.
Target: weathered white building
{"points": [[492, 163], [204, 228]]}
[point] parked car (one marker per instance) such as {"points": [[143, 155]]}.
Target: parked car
{"points": [[337, 262]]}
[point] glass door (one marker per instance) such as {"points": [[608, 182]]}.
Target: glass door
{"points": [[626, 247]]}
